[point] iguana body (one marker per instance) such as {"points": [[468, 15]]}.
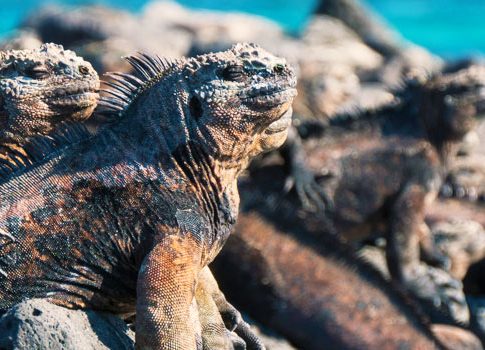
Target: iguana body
{"points": [[343, 305], [143, 206], [439, 110], [53, 86]]}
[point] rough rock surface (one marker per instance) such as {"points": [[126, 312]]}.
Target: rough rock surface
{"points": [[21, 40], [37, 324]]}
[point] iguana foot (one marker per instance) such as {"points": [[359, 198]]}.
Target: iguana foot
{"points": [[435, 258], [309, 191], [234, 322], [231, 316], [237, 342], [252, 341], [465, 183], [213, 307], [440, 290]]}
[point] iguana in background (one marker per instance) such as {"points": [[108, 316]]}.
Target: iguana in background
{"points": [[379, 171], [42, 87], [141, 207], [439, 109]]}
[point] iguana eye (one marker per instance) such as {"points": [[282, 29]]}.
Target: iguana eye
{"points": [[37, 72], [234, 73]]}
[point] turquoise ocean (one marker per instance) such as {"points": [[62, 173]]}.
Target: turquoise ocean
{"points": [[450, 28]]}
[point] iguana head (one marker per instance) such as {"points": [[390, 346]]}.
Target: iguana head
{"points": [[454, 101], [41, 87], [240, 100]]}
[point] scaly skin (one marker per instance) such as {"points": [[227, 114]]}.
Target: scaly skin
{"points": [[42, 87], [140, 208], [70, 81]]}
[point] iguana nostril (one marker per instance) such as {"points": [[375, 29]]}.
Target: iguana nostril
{"points": [[84, 70], [279, 68]]}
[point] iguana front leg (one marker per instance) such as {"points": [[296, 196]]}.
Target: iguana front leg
{"points": [[403, 244], [166, 318], [434, 286]]}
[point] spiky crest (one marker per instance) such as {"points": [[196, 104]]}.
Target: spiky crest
{"points": [[39, 147], [125, 88]]}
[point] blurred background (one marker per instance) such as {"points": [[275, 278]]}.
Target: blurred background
{"points": [[449, 28], [309, 264]]}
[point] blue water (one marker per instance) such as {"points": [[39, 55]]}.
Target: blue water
{"points": [[450, 28]]}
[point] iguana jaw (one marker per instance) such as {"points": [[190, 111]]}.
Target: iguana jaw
{"points": [[270, 100], [74, 100], [280, 125], [77, 106], [275, 134]]}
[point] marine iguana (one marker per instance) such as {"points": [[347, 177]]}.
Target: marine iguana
{"points": [[42, 87], [440, 109], [378, 172], [141, 207]]}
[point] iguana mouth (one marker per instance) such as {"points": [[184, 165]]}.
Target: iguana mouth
{"points": [[78, 95], [76, 101], [75, 97], [279, 125], [270, 98]]}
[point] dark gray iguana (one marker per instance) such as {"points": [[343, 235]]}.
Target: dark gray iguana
{"points": [[128, 218], [439, 110], [381, 170]]}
